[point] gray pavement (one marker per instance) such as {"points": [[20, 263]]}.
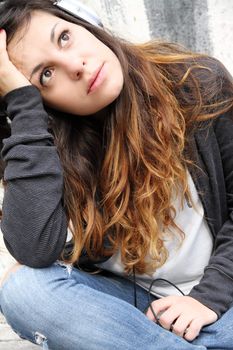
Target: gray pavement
{"points": [[10, 340]]}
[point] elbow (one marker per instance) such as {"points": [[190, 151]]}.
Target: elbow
{"points": [[37, 262], [34, 258]]}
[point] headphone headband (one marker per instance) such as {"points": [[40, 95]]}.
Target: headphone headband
{"points": [[79, 10]]}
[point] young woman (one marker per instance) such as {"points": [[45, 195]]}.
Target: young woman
{"points": [[131, 147]]}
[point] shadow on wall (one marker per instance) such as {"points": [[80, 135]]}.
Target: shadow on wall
{"points": [[182, 21], [200, 25]]}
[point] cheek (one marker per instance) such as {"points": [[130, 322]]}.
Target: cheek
{"points": [[65, 102], [65, 94], [60, 102]]}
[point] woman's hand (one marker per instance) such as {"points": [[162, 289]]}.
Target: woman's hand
{"points": [[183, 315], [10, 76]]}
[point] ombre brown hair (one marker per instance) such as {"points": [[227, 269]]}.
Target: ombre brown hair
{"points": [[122, 170]]}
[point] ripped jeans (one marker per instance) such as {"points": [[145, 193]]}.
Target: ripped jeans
{"points": [[63, 308]]}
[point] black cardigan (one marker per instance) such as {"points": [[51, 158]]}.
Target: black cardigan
{"points": [[34, 223]]}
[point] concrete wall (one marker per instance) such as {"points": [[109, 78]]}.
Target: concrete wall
{"points": [[201, 25]]}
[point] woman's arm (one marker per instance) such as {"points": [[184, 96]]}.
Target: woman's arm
{"points": [[34, 223], [215, 290], [213, 295], [10, 77]]}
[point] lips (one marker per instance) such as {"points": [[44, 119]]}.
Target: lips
{"points": [[94, 78]]}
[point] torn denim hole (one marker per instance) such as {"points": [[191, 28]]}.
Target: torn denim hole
{"points": [[69, 267], [41, 340]]}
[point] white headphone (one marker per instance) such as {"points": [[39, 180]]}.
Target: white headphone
{"points": [[79, 10]]}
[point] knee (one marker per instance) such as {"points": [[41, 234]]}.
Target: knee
{"points": [[8, 287], [10, 271], [14, 286], [23, 300]]}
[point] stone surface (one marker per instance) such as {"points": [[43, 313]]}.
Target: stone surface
{"points": [[205, 26], [17, 345], [201, 25], [10, 340]]}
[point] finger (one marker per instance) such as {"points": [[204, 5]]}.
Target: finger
{"points": [[156, 308], [169, 317], [3, 49], [153, 315], [180, 326], [2, 41], [159, 305], [193, 330]]}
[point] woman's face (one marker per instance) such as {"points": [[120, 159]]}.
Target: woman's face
{"points": [[74, 71]]}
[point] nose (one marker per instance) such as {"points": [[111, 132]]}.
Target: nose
{"points": [[73, 67]]}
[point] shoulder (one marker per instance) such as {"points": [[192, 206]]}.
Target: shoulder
{"points": [[210, 70], [209, 74], [205, 83]]}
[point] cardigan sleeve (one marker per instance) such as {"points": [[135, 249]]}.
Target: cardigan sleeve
{"points": [[34, 223], [215, 290]]}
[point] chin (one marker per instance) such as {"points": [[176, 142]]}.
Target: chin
{"points": [[114, 95]]}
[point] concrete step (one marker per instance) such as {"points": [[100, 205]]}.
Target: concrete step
{"points": [[9, 340]]}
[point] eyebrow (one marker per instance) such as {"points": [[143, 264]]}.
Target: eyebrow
{"points": [[39, 66]]}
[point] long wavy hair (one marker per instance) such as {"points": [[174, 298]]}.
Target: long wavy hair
{"points": [[122, 171]]}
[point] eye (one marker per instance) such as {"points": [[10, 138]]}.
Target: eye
{"points": [[46, 75], [64, 37]]}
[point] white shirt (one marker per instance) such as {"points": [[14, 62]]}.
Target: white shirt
{"points": [[186, 262]]}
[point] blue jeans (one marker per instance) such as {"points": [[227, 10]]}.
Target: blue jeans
{"points": [[63, 308]]}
